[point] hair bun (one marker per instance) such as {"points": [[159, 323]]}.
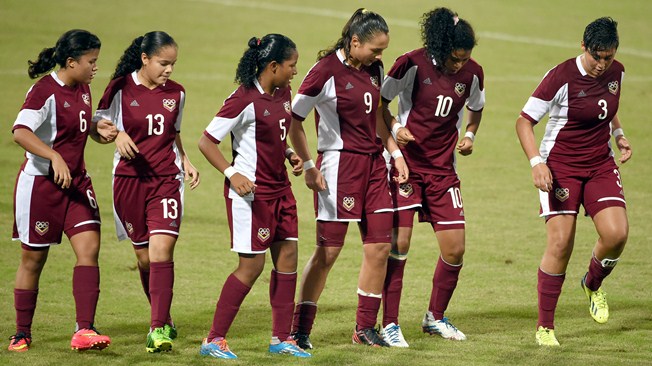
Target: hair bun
{"points": [[253, 42]]}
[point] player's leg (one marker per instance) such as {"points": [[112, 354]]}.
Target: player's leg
{"points": [[161, 284]]}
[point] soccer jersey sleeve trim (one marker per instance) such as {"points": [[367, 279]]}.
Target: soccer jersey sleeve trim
{"points": [[476, 99]]}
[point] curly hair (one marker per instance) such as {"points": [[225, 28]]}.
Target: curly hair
{"points": [[442, 32]]}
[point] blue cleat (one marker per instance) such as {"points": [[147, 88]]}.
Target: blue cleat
{"points": [[216, 348], [288, 347]]}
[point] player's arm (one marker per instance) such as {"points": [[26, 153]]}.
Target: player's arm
{"points": [[402, 135], [314, 178], [241, 184], [191, 173], [465, 147], [391, 145], [622, 142], [541, 175], [103, 131], [31, 143]]}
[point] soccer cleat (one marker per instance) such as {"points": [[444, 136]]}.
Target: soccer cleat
{"points": [[546, 337], [288, 347], [19, 342], [170, 331], [158, 341], [217, 348], [369, 337], [441, 327], [302, 339], [85, 339], [598, 307], [393, 336]]}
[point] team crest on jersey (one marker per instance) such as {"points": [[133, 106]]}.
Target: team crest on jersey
{"points": [[460, 89], [129, 227], [348, 203], [287, 106], [405, 190], [562, 194], [263, 233], [613, 87], [374, 82], [42, 227], [86, 97], [169, 104]]}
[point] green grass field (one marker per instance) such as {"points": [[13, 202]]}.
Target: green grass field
{"points": [[495, 303]]}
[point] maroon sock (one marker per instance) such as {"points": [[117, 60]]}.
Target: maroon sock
{"points": [[232, 296], [392, 290], [86, 291], [549, 289], [144, 280], [444, 283], [281, 296], [304, 317], [161, 283], [367, 312], [25, 304], [597, 273]]}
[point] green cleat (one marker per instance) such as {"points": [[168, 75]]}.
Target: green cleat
{"points": [[170, 331], [546, 337], [158, 341], [598, 307]]}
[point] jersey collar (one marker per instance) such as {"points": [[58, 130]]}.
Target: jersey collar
{"points": [[578, 61], [258, 86], [134, 76], [56, 78]]}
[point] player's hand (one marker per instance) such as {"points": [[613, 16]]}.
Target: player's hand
{"points": [[314, 180], [242, 185], [297, 164], [125, 145], [542, 177], [625, 149], [402, 170], [403, 136], [107, 130], [465, 147], [62, 175], [192, 174]]}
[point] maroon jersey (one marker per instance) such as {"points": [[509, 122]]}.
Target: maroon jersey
{"points": [[345, 101], [258, 124], [59, 116], [580, 109], [152, 118], [431, 106]]}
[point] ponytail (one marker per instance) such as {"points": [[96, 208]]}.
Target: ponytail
{"points": [[363, 23], [260, 52], [72, 44], [149, 44]]}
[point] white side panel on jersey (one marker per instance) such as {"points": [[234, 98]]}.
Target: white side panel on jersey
{"points": [[558, 118], [476, 99], [24, 188], [403, 88], [182, 103], [241, 212], [120, 230], [44, 125], [244, 143], [329, 134]]}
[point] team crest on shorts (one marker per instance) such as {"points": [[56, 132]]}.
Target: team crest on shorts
{"points": [[86, 97], [374, 81], [169, 104], [348, 203], [287, 106], [129, 227], [460, 89], [405, 190], [613, 87], [263, 233], [562, 194], [42, 227]]}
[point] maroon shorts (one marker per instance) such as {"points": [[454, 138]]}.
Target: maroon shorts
{"points": [[595, 190], [43, 211], [145, 206], [256, 224], [437, 198]]}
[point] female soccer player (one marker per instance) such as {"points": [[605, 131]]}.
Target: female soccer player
{"points": [[53, 193], [350, 178], [260, 206], [574, 165], [149, 167], [433, 84]]}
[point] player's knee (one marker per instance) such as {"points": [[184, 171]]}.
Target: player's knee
{"points": [[454, 255], [616, 239], [325, 258]]}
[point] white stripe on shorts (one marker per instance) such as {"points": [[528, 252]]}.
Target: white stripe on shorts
{"points": [[88, 222], [450, 222], [611, 199], [241, 223], [164, 231], [327, 199], [24, 188]]}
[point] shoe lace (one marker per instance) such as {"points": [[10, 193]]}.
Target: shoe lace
{"points": [[547, 336], [392, 333], [223, 345], [600, 299], [18, 337], [448, 324]]}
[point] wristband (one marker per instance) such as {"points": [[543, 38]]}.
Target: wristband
{"points": [[536, 161], [288, 152], [470, 135], [618, 132], [308, 164], [395, 127], [397, 154], [228, 172]]}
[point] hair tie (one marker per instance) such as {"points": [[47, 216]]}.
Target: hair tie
{"points": [[455, 19], [258, 42]]}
